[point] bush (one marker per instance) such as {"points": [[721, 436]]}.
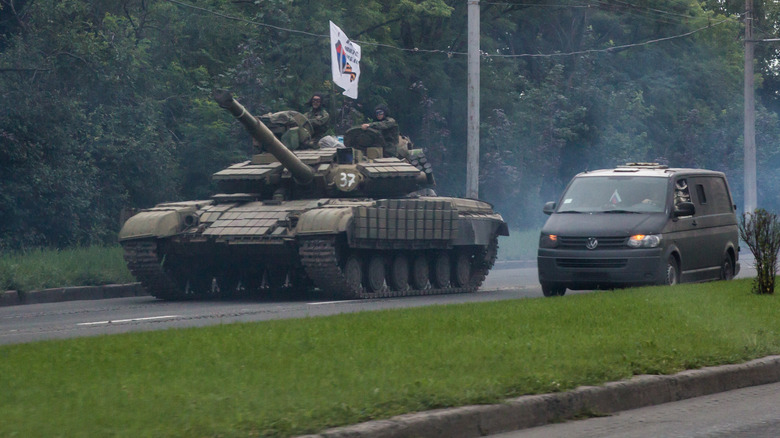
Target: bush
{"points": [[761, 232]]}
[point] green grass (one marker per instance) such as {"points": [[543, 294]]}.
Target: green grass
{"points": [[40, 268], [288, 377]]}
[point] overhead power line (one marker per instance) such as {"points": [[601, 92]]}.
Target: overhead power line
{"points": [[453, 53], [613, 48]]}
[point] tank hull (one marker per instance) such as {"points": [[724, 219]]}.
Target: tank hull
{"points": [[342, 247]]}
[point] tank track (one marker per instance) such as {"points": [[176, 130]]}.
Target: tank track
{"points": [[143, 261], [320, 259]]}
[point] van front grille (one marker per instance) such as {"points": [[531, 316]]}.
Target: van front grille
{"points": [[592, 263], [565, 242]]}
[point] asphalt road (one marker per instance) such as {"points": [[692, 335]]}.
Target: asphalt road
{"points": [[36, 322]]}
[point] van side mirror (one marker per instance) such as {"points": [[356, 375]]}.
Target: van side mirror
{"points": [[684, 209], [548, 208]]}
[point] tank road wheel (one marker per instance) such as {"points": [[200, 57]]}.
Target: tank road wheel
{"points": [[194, 280], [375, 274], [252, 281], [399, 273], [441, 271], [420, 272], [276, 278], [353, 274], [197, 285], [461, 275], [300, 283], [227, 285]]}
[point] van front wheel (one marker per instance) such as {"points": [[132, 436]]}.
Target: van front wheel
{"points": [[672, 272], [550, 290]]}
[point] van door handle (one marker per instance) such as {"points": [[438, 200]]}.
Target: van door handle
{"points": [[694, 223]]}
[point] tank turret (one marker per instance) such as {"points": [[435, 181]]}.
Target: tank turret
{"points": [[358, 170], [303, 173]]}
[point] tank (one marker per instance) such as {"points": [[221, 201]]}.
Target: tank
{"points": [[345, 221]]}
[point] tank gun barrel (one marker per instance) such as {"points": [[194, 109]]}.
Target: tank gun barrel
{"points": [[302, 173]]}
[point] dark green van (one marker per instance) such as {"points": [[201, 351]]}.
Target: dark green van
{"points": [[639, 224]]}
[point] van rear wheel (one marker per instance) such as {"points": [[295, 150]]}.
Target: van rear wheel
{"points": [[727, 268]]}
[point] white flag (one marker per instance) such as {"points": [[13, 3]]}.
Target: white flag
{"points": [[345, 63]]}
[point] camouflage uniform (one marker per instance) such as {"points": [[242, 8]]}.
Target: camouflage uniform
{"points": [[318, 117], [388, 127]]}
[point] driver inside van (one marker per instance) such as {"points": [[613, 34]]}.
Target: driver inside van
{"points": [[681, 193]]}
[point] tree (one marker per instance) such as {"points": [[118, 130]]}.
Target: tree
{"points": [[106, 102]]}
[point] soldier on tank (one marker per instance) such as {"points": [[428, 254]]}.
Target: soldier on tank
{"points": [[348, 116], [318, 117], [291, 127], [388, 127]]}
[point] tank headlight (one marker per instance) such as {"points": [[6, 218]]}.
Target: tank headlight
{"points": [[548, 241], [190, 220], [644, 241]]}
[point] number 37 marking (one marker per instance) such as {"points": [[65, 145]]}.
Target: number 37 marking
{"points": [[347, 180]]}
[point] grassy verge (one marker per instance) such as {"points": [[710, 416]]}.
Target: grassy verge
{"points": [[281, 378], [40, 269]]}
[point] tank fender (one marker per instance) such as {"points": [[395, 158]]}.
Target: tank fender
{"points": [[479, 231], [324, 221], [158, 222]]}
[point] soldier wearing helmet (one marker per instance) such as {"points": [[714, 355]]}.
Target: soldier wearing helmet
{"points": [[318, 117], [388, 127]]}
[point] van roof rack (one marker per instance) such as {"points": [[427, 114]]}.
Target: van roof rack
{"points": [[644, 166]]}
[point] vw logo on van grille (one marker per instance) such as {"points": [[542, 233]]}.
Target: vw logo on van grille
{"points": [[592, 243]]}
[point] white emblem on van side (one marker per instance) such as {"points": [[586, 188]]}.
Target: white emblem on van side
{"points": [[592, 243]]}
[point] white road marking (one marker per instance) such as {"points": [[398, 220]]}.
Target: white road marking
{"points": [[332, 302], [119, 321]]}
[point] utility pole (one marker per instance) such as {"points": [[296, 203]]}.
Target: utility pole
{"points": [[472, 129], [751, 199]]}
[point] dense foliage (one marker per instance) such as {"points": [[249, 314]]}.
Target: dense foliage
{"points": [[105, 103]]}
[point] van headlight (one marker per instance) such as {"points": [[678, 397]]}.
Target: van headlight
{"points": [[644, 241], [548, 241]]}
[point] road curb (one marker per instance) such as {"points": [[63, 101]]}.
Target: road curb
{"points": [[538, 410], [60, 294]]}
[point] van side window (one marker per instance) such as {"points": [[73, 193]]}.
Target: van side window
{"points": [[700, 194], [681, 193], [721, 199]]}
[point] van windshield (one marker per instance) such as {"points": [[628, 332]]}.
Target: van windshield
{"points": [[615, 194]]}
